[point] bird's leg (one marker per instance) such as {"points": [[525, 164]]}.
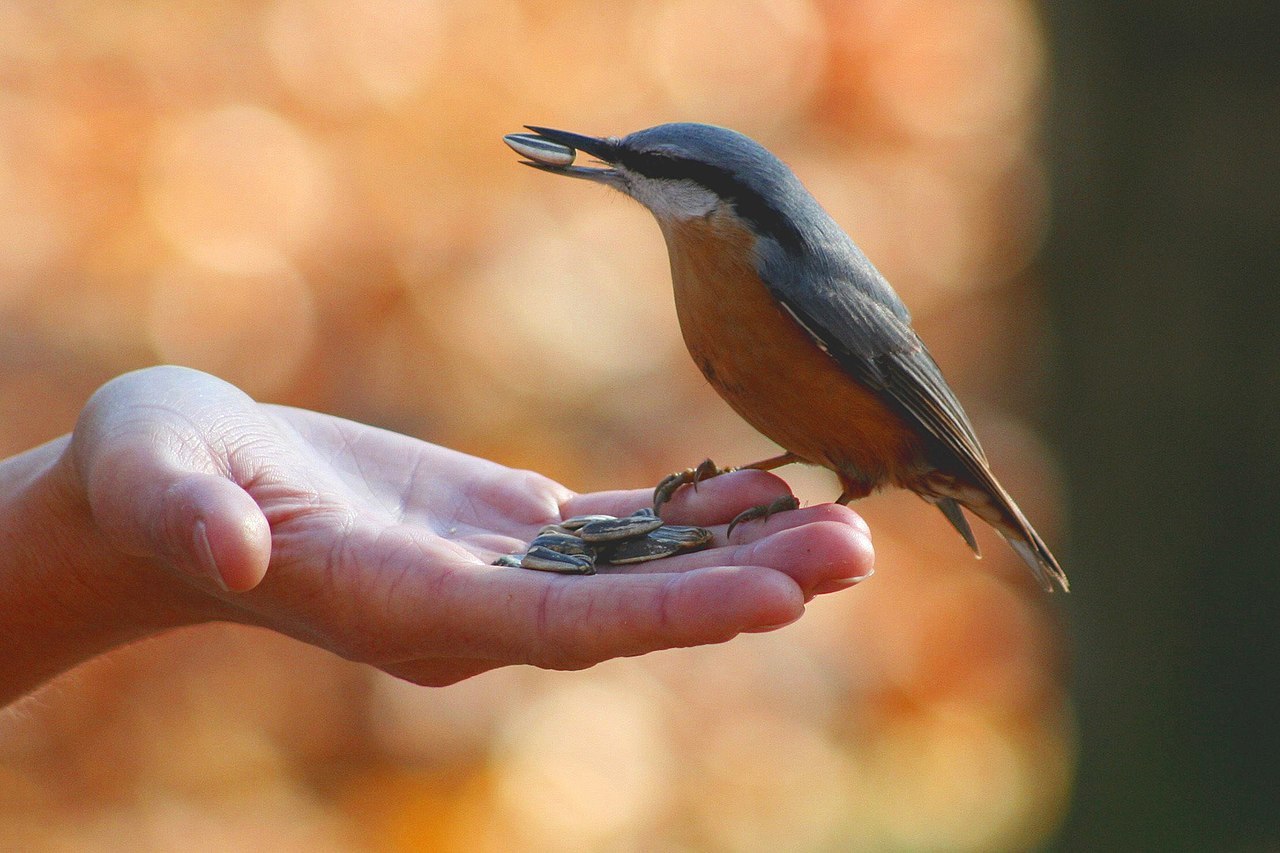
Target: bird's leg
{"points": [[708, 469], [773, 462], [853, 490], [692, 476], [782, 504]]}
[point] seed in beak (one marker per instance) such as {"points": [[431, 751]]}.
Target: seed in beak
{"points": [[540, 150]]}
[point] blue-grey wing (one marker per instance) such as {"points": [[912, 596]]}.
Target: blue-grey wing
{"points": [[857, 319]]}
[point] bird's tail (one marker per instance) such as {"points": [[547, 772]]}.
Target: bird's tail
{"points": [[1036, 555], [993, 505]]}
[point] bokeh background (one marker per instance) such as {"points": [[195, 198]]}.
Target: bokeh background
{"points": [[310, 198]]}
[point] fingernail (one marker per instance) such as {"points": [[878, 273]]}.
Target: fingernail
{"points": [[762, 629], [204, 551], [837, 584]]}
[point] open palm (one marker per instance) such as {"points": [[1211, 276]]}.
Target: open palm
{"points": [[378, 546]]}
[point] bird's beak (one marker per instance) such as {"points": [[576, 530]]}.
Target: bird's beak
{"points": [[557, 156]]}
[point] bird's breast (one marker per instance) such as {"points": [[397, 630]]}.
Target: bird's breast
{"points": [[768, 368]]}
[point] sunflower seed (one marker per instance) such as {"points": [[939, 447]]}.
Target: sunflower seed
{"points": [[546, 560], [619, 528], [540, 150], [638, 550], [572, 524], [687, 538], [563, 543]]}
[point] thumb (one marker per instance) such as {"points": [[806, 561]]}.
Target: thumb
{"points": [[199, 523], [150, 453], [209, 527]]}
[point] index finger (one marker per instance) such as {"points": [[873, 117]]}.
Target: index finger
{"points": [[713, 501]]}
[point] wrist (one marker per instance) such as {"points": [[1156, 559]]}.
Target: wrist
{"points": [[66, 594]]}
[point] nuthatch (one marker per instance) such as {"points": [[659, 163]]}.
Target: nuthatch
{"points": [[794, 327]]}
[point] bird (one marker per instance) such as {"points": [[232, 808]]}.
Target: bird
{"points": [[794, 327]]}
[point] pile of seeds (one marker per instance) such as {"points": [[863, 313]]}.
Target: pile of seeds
{"points": [[577, 545]]}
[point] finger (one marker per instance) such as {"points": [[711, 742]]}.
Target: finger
{"points": [[582, 624], [200, 523], [620, 503], [439, 672], [778, 521], [229, 535], [714, 501], [823, 548], [571, 622], [822, 556], [153, 483], [821, 553]]}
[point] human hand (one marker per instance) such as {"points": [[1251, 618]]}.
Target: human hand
{"points": [[377, 546]]}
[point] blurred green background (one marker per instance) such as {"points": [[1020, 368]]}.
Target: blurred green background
{"points": [[1162, 265], [310, 199]]}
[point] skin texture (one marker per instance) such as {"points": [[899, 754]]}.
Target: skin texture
{"points": [[179, 500]]}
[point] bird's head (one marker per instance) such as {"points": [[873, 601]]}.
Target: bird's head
{"points": [[685, 171]]}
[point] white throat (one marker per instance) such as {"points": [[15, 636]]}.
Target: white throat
{"points": [[673, 199]]}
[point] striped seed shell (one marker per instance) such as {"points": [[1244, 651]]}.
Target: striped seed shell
{"points": [[563, 543], [688, 538], [578, 521], [619, 528], [540, 150], [638, 550], [545, 560]]}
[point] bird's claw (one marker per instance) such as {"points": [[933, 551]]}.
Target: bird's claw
{"points": [[785, 503], [689, 476]]}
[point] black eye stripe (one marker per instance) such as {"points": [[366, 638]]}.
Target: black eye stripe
{"points": [[749, 204]]}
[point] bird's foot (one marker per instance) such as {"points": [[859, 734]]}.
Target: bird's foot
{"points": [[689, 476], [785, 503]]}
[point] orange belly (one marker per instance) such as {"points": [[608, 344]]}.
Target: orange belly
{"points": [[768, 368]]}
